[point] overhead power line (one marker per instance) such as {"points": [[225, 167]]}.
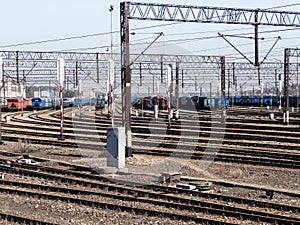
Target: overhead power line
{"points": [[54, 40], [78, 37]]}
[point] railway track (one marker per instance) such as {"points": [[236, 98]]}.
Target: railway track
{"points": [[230, 150], [21, 220], [69, 170], [233, 156], [166, 197]]}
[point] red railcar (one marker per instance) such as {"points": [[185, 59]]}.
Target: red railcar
{"points": [[18, 103]]}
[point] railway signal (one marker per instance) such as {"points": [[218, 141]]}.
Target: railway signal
{"points": [[169, 87], [110, 91], [1, 68], [1, 77], [60, 78]]}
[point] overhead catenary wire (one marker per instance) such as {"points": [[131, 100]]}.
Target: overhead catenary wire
{"points": [[186, 40], [77, 37], [53, 40]]}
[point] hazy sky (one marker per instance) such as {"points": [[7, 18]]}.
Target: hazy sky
{"points": [[28, 21]]}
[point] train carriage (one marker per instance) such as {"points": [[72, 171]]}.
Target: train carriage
{"points": [[159, 100], [100, 103], [18, 103], [144, 103], [252, 100], [186, 102], [235, 100], [270, 100], [201, 103], [67, 102]]}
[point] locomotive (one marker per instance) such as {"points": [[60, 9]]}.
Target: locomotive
{"points": [[18, 103]]}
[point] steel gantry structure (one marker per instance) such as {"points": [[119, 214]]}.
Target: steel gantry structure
{"points": [[45, 63], [40, 67], [196, 14], [291, 69]]}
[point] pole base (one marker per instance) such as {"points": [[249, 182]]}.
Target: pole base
{"points": [[128, 152], [61, 138]]}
